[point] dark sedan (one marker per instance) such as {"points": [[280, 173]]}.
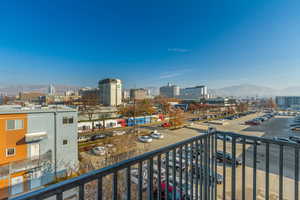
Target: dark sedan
{"points": [[228, 158]]}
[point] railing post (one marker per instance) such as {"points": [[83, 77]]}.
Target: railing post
{"points": [[150, 179], [197, 169], [174, 174], [254, 169], [115, 186], [267, 171], [233, 184], [205, 170], [81, 191], [167, 174], [244, 171], [140, 181], [99, 186], [128, 183], [281, 173], [224, 167], [296, 174], [180, 172], [159, 177], [215, 160]]}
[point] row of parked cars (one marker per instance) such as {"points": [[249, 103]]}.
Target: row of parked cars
{"points": [[194, 170], [100, 136], [296, 125], [149, 138], [260, 120], [290, 139]]}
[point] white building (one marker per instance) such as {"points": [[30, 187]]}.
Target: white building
{"points": [[288, 101], [110, 92], [198, 92], [169, 91], [51, 90]]}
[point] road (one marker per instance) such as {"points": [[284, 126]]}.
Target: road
{"points": [[278, 126]]}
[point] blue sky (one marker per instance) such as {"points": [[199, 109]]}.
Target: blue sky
{"points": [[150, 43]]}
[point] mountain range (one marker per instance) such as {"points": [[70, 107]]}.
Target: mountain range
{"points": [[244, 90], [248, 90], [11, 90]]}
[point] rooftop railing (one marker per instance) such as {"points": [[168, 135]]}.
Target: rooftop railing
{"points": [[217, 165]]}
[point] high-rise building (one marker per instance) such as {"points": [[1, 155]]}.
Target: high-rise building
{"points": [[198, 92], [51, 90], [138, 94], [34, 143], [110, 92], [169, 91], [288, 101]]}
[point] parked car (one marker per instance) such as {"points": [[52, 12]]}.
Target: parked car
{"points": [[169, 196], [157, 135], [115, 133], [100, 150], [212, 176], [295, 138], [83, 139], [145, 138], [283, 139], [97, 137], [166, 125], [248, 141], [221, 137], [228, 158], [295, 128]]}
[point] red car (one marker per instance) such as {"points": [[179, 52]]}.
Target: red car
{"points": [[166, 125]]}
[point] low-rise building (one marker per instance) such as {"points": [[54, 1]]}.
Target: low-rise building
{"points": [[138, 94], [285, 102], [198, 92], [34, 143]]}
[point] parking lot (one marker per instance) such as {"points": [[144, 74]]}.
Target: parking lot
{"points": [[277, 126]]}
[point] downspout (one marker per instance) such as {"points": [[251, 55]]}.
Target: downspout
{"points": [[55, 145]]}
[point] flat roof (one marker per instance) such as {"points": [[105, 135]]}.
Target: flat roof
{"points": [[15, 109]]}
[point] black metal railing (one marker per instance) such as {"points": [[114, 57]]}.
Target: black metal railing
{"points": [[216, 165]]}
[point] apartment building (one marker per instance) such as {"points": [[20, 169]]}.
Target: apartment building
{"points": [[36, 144], [110, 92]]}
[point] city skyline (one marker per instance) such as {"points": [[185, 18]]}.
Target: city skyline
{"points": [[188, 43]]}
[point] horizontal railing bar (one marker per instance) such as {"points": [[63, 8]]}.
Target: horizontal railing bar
{"points": [[261, 139]]}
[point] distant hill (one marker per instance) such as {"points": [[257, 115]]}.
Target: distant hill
{"points": [[16, 89], [248, 90]]}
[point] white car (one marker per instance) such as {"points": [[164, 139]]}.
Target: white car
{"points": [[145, 138], [100, 150], [83, 139], [119, 132], [157, 135]]}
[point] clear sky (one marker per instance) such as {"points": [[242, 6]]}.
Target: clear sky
{"points": [[150, 43]]}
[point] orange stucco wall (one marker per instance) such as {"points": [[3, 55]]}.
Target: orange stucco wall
{"points": [[11, 139]]}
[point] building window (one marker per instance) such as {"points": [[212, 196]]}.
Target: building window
{"points": [[65, 120], [65, 142], [10, 152], [14, 124], [68, 120], [71, 120]]}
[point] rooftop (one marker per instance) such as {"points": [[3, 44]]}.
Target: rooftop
{"points": [[13, 109]]}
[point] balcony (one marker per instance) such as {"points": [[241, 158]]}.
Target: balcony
{"points": [[216, 165]]}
